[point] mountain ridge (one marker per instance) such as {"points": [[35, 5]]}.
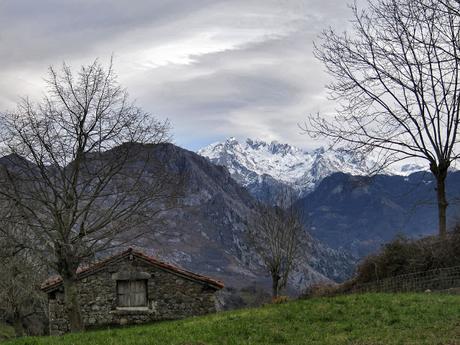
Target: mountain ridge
{"points": [[345, 207], [265, 168], [206, 232], [361, 213]]}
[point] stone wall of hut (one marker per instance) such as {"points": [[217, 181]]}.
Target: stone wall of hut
{"points": [[169, 296]]}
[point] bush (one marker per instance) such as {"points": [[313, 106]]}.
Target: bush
{"points": [[251, 296], [321, 290], [403, 255]]}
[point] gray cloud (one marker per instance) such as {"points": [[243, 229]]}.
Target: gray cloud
{"points": [[215, 68]]}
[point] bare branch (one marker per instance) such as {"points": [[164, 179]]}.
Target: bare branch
{"points": [[396, 80]]}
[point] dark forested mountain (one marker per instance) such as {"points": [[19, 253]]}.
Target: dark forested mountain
{"points": [[205, 232], [360, 213]]}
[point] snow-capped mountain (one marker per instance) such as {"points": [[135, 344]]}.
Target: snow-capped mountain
{"points": [[264, 167]]}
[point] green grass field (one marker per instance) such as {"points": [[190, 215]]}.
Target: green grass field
{"points": [[371, 319]]}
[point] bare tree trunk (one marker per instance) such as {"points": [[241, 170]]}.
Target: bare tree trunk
{"points": [[72, 305], [275, 285], [442, 205], [17, 325], [440, 173]]}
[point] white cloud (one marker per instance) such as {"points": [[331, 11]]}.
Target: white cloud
{"points": [[215, 68]]}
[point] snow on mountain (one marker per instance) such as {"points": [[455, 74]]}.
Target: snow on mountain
{"points": [[254, 162]]}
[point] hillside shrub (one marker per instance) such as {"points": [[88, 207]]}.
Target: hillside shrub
{"points": [[321, 290], [404, 255]]}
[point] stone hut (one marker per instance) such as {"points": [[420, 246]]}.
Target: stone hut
{"points": [[132, 288]]}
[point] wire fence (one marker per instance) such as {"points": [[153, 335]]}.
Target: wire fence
{"points": [[436, 279]]}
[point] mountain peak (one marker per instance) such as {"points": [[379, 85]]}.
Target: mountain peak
{"points": [[252, 161], [231, 141]]}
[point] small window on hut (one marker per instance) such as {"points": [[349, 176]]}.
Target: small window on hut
{"points": [[132, 293]]}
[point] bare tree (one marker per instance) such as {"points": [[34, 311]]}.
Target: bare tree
{"points": [[451, 5], [81, 174], [396, 80], [276, 234]]}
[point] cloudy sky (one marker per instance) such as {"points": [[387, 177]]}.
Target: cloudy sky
{"points": [[215, 68]]}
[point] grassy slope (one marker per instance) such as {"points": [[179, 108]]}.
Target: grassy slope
{"points": [[358, 319]]}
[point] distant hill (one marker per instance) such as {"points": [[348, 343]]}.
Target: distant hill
{"points": [[360, 213]]}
